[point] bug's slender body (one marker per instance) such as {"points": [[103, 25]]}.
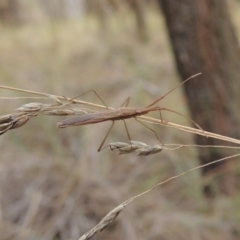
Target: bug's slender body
{"points": [[108, 115], [121, 113]]}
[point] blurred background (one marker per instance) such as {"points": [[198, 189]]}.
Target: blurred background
{"points": [[54, 185]]}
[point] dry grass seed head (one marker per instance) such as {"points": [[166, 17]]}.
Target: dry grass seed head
{"points": [[104, 222], [140, 148]]}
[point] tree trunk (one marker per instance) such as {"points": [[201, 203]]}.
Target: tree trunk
{"points": [[203, 40]]}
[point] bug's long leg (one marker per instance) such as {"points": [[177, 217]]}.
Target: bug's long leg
{"points": [[189, 119], [160, 113], [150, 130], [103, 141], [129, 138], [92, 90], [126, 102]]}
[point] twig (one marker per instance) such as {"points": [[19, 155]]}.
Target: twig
{"points": [[143, 118]]}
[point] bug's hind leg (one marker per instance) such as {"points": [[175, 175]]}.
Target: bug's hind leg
{"points": [[126, 102], [95, 92], [150, 130], [103, 141], [128, 134], [160, 113]]}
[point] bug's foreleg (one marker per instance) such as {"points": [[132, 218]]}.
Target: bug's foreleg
{"points": [[103, 141], [160, 113], [128, 134], [126, 102], [95, 92]]}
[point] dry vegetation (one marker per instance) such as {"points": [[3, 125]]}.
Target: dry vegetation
{"points": [[54, 184]]}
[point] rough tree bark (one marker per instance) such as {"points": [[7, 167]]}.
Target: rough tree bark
{"points": [[203, 40]]}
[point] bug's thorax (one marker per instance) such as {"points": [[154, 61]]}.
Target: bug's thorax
{"points": [[128, 112]]}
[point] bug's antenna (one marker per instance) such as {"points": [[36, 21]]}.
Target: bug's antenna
{"points": [[193, 76]]}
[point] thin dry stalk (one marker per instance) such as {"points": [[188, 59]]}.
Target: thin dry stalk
{"points": [[188, 129], [143, 149], [70, 111], [54, 96], [110, 217]]}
